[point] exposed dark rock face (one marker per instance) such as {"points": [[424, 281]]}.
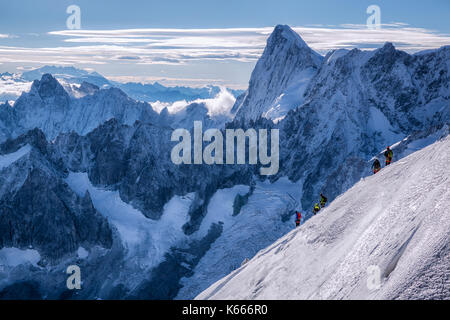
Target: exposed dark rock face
{"points": [[53, 220], [35, 138], [26, 290], [136, 161], [240, 201], [39, 210]]}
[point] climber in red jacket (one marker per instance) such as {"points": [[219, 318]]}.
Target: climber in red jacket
{"points": [[299, 218]]}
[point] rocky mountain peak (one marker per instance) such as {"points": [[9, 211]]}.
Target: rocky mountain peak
{"points": [[88, 88], [48, 86], [387, 47], [286, 63], [284, 34]]}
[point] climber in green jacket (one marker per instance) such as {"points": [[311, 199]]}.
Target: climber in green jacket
{"points": [[316, 208], [323, 200]]}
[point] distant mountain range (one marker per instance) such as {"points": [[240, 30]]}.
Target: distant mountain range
{"points": [[55, 108], [12, 85]]}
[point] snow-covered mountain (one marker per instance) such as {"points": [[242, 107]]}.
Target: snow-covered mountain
{"points": [[356, 104], [152, 92], [155, 211], [390, 229], [184, 226], [187, 226], [49, 107], [68, 74], [56, 109], [280, 77]]}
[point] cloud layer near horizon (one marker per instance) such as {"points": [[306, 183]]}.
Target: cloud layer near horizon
{"points": [[187, 46]]}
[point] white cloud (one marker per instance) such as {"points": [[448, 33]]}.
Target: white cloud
{"points": [[358, 36], [181, 47], [11, 88], [221, 104], [25, 68], [10, 36], [171, 81], [241, 43]]}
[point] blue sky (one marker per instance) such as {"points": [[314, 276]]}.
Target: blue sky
{"points": [[190, 42]]}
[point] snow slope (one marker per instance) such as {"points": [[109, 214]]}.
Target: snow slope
{"points": [[395, 222], [8, 159], [269, 208], [14, 256]]}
